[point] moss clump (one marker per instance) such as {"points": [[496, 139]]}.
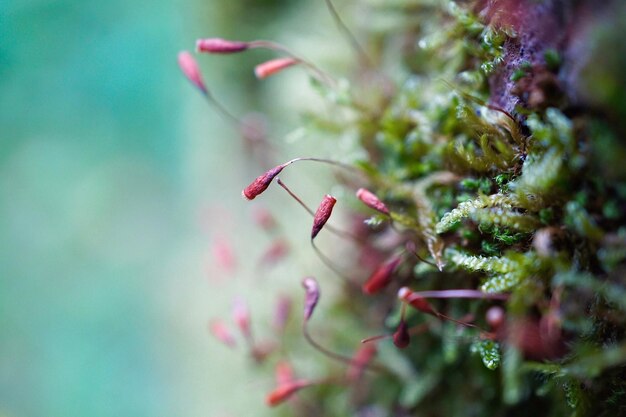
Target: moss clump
{"points": [[523, 203]]}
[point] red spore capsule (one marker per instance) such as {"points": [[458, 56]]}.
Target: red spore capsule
{"points": [[322, 214], [273, 66], [416, 301], [381, 277], [220, 46], [283, 392], [190, 69], [401, 337], [261, 183], [371, 200]]}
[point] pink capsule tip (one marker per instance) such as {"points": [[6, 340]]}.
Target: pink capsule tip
{"points": [[371, 200], [191, 70], [283, 392], [273, 66], [311, 296], [415, 300], [381, 277], [322, 214], [261, 183]]}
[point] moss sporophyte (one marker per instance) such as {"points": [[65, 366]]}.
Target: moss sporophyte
{"points": [[491, 229]]}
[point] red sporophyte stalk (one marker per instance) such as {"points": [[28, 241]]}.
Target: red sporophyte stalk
{"points": [[354, 43], [340, 233], [410, 247], [283, 392], [191, 70], [220, 46], [324, 210], [220, 332], [417, 300], [273, 66], [462, 293], [331, 265], [371, 200], [381, 277], [311, 296], [420, 328], [263, 181]]}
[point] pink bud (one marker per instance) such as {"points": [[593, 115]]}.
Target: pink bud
{"points": [[370, 200], [381, 276], [322, 214], [416, 301], [220, 46], [285, 391], [401, 337], [262, 182], [190, 69], [273, 66], [241, 316], [311, 296], [221, 333]]}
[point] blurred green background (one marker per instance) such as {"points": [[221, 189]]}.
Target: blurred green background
{"points": [[116, 183]]}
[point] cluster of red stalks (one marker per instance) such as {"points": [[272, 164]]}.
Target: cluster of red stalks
{"points": [[379, 280]]}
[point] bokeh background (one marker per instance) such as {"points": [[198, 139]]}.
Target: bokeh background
{"points": [[118, 184]]}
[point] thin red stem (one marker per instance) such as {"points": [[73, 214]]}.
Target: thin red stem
{"points": [[410, 247], [420, 328], [339, 357], [329, 263], [340, 233], [274, 46], [365, 59]]}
